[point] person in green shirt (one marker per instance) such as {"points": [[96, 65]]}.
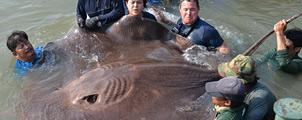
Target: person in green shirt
{"points": [[259, 98], [285, 56], [227, 94]]}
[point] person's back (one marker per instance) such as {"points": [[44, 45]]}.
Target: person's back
{"points": [[260, 100]]}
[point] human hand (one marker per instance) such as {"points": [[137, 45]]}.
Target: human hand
{"points": [[92, 22], [161, 17], [280, 26], [81, 23]]}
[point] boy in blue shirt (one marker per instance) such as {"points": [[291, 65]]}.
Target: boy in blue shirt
{"points": [[21, 47]]}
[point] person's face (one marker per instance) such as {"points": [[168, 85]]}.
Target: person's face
{"points": [[220, 101], [189, 12], [291, 48], [135, 7], [25, 52]]}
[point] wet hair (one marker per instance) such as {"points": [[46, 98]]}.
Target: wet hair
{"points": [[294, 35], [196, 1], [144, 2], [15, 38]]}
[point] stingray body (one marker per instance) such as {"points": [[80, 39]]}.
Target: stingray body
{"points": [[135, 71]]}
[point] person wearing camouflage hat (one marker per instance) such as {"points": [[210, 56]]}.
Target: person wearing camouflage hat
{"points": [[259, 98], [241, 66]]}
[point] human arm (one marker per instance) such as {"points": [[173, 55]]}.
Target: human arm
{"points": [[214, 40], [161, 17], [265, 57], [279, 28], [224, 48], [114, 15], [81, 13]]}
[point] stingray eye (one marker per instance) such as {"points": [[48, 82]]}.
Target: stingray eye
{"points": [[91, 98]]}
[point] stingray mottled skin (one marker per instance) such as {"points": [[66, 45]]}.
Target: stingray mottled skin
{"points": [[134, 72]]}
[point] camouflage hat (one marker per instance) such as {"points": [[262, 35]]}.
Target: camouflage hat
{"points": [[242, 67]]}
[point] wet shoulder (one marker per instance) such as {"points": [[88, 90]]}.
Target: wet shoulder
{"points": [[260, 90], [204, 24], [39, 52]]}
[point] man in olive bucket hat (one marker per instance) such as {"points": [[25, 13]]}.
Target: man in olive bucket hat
{"points": [[259, 97]]}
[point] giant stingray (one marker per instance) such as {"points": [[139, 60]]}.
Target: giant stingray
{"points": [[135, 71]]}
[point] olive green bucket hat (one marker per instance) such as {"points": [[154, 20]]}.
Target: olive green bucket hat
{"points": [[242, 67]]}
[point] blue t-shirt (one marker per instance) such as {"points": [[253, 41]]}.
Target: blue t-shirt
{"points": [[22, 67]]}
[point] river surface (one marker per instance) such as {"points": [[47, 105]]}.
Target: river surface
{"points": [[240, 22]]}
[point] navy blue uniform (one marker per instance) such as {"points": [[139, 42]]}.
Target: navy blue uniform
{"points": [[108, 11], [201, 33]]}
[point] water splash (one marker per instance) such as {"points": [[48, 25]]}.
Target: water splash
{"points": [[200, 55]]}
